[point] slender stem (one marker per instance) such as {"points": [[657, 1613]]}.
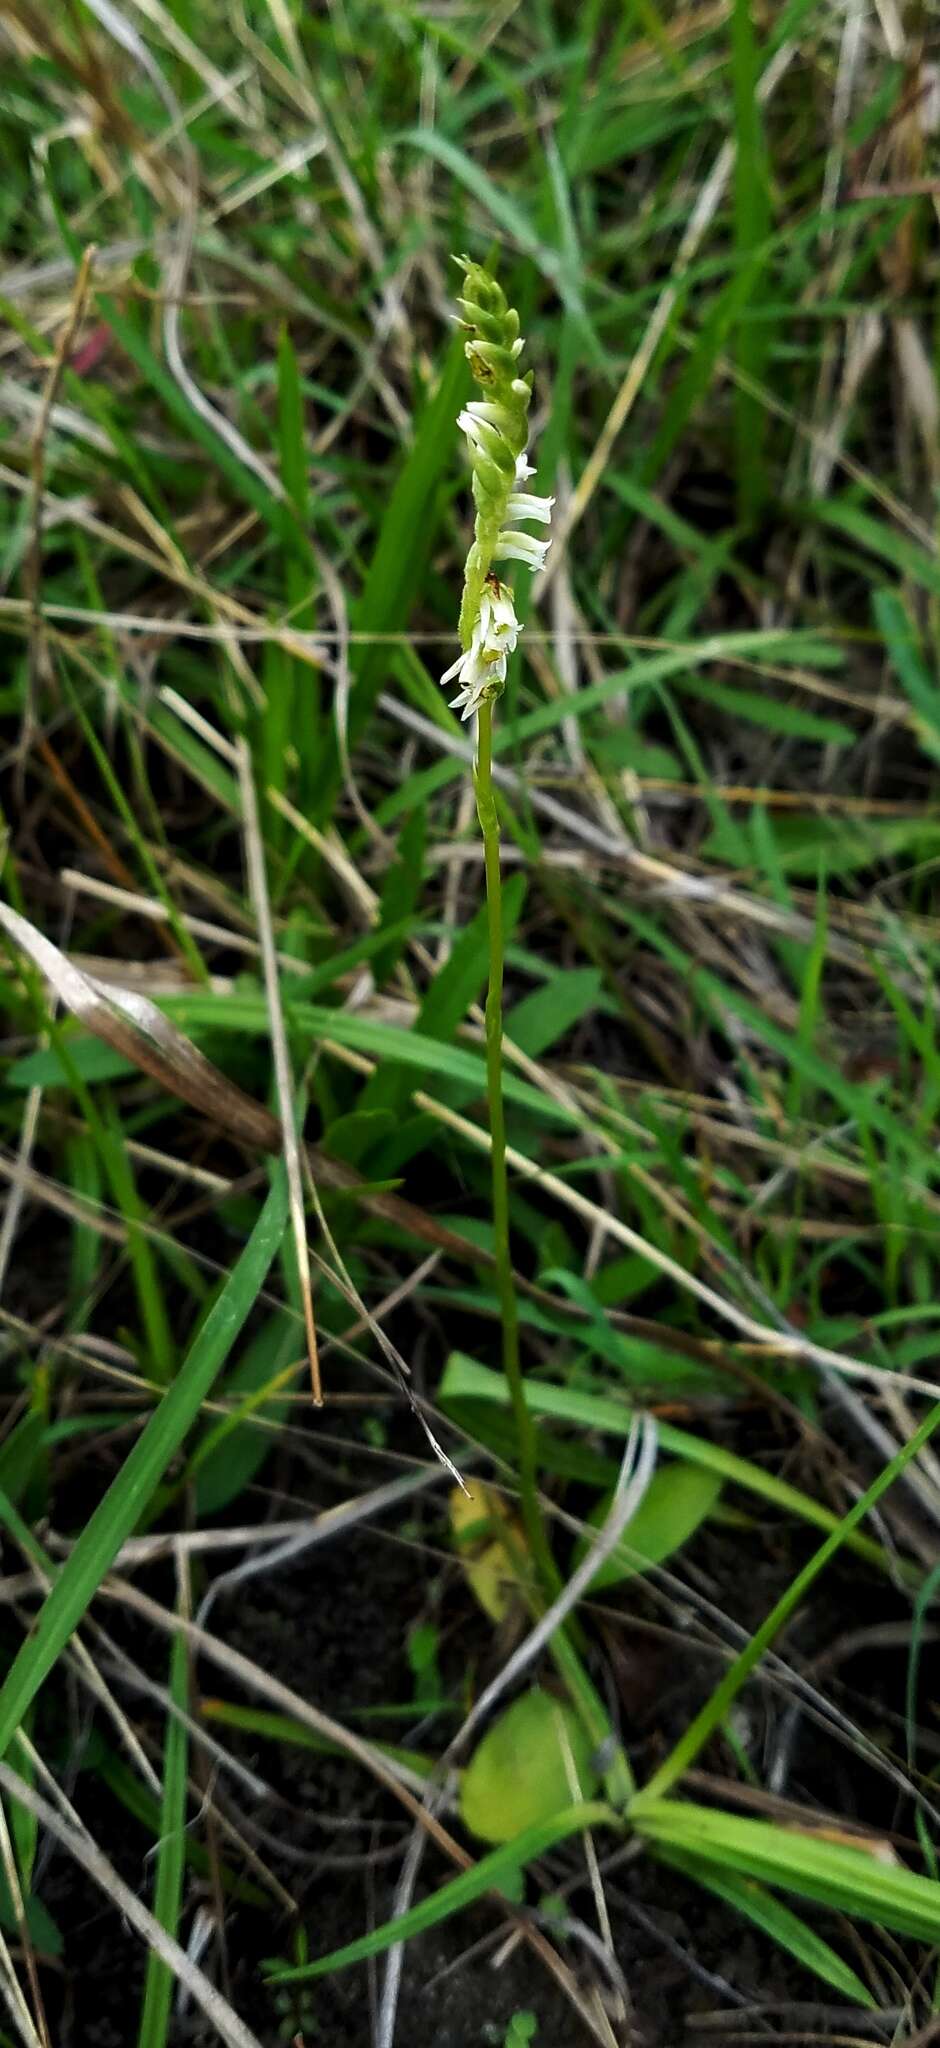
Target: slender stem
{"points": [[505, 1284]]}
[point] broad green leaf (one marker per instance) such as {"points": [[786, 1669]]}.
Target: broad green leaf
{"points": [[678, 1498], [463, 976], [532, 1762], [430, 1057], [642, 1364], [445, 1003], [350, 1137], [465, 1380], [45, 1932], [522, 2028], [92, 1059], [540, 1019]]}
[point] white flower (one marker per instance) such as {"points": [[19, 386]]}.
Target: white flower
{"points": [[481, 675], [524, 468], [482, 669], [499, 627], [525, 505], [521, 547], [483, 434]]}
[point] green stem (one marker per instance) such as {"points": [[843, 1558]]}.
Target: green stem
{"points": [[505, 1283], [722, 1699]]}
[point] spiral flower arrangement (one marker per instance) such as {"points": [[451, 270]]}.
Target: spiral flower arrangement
{"points": [[497, 431]]}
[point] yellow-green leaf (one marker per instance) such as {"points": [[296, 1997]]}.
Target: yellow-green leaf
{"points": [[535, 1760]]}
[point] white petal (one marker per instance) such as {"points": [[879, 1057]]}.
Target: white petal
{"points": [[522, 547], [525, 505], [452, 671], [524, 468]]}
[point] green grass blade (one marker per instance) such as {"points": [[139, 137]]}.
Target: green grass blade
{"points": [[171, 1856], [850, 1880], [726, 1692], [774, 1918], [881, 539], [399, 562], [752, 223], [489, 1875], [120, 1510], [903, 644]]}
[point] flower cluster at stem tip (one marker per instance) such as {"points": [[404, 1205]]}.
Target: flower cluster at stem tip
{"points": [[497, 431]]}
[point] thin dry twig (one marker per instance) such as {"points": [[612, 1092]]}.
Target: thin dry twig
{"points": [[19, 1912], [85, 1852], [16, 2004], [38, 673], [258, 884]]}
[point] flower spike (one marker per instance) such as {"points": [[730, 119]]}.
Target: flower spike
{"points": [[496, 426]]}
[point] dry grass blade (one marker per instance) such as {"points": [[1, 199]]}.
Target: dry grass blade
{"points": [[11, 1874], [36, 674], [134, 1027], [16, 2003], [219, 2013], [397, 1779], [258, 881], [343, 1279]]}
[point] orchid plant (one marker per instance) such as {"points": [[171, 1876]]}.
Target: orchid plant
{"points": [[497, 431]]}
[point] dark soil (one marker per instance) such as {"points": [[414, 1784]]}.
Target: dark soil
{"points": [[336, 1629]]}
